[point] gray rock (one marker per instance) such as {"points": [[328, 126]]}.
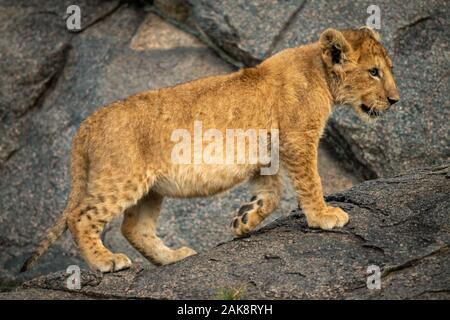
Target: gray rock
{"points": [[399, 224], [414, 133], [33, 50]]}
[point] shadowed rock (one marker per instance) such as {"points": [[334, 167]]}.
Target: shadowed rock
{"points": [[400, 224]]}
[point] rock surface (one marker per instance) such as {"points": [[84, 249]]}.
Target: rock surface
{"points": [[416, 33], [400, 224], [51, 79]]}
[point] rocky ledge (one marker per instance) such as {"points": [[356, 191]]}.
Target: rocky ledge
{"points": [[399, 224]]}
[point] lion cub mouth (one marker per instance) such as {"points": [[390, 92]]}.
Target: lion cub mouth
{"points": [[370, 111]]}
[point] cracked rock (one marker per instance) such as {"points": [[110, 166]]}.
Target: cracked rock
{"points": [[399, 225]]}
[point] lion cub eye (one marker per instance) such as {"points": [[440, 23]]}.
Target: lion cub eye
{"points": [[374, 72]]}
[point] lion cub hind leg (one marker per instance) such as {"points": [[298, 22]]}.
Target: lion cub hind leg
{"points": [[106, 200], [267, 194], [139, 227]]}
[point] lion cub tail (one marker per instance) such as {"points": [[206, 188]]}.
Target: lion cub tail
{"points": [[79, 174], [52, 235]]}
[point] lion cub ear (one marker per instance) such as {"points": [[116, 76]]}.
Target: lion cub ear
{"points": [[371, 32], [335, 48]]}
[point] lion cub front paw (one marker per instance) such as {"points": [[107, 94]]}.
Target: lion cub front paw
{"points": [[110, 263], [330, 218], [247, 218]]}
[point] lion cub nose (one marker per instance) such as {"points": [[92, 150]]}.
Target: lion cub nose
{"points": [[392, 100]]}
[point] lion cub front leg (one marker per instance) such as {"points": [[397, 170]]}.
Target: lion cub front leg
{"points": [[300, 158], [267, 195]]}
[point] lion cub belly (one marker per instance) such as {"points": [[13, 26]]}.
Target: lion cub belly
{"points": [[184, 181]]}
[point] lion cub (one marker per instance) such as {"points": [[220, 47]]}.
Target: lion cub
{"points": [[122, 155]]}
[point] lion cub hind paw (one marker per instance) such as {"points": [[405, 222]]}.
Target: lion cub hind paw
{"points": [[112, 263], [183, 253], [332, 217]]}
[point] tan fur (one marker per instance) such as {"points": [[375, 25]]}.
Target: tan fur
{"points": [[121, 155]]}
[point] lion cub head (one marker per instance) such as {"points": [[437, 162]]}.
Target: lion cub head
{"points": [[360, 70]]}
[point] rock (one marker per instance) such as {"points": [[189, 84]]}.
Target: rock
{"points": [[33, 51], [51, 79], [248, 30], [399, 224], [414, 133]]}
